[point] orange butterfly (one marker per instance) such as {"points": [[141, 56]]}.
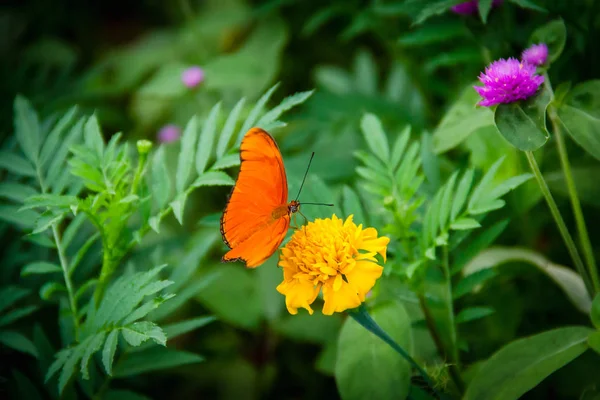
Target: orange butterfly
{"points": [[257, 216]]}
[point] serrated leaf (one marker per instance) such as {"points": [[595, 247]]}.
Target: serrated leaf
{"points": [[138, 332], [154, 223], [254, 113], [287, 104], [186, 154], [462, 224], [53, 139], [93, 137], [49, 288], [161, 181], [49, 200], [57, 164], [93, 346], [16, 164], [470, 282], [147, 307], [108, 352], [446, 202], [229, 127], [27, 128], [180, 328], [487, 207], [207, 138], [213, 178], [178, 206], [462, 193], [482, 241], [506, 186], [46, 220], [375, 137], [399, 148], [473, 313], [227, 161], [485, 183], [40, 267], [16, 314]]}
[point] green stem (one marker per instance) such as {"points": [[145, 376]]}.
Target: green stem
{"points": [[65, 270], [584, 238], [562, 227], [362, 316], [454, 357]]}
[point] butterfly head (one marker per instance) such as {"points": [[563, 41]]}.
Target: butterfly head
{"points": [[293, 207]]}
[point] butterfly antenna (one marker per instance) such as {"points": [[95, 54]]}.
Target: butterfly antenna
{"points": [[305, 173], [302, 185]]}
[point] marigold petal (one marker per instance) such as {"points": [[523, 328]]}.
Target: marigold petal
{"points": [[339, 300], [363, 276], [298, 294]]}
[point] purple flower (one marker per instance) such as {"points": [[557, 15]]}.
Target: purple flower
{"points": [[192, 76], [507, 81], [471, 7], [537, 54], [169, 133]]}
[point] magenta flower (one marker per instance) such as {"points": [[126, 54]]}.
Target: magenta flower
{"points": [[471, 7], [192, 76], [507, 81], [537, 54], [169, 133]]}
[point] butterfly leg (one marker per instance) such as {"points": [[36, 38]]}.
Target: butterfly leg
{"points": [[303, 216]]}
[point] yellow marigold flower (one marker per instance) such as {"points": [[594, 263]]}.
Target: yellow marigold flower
{"points": [[334, 255]]}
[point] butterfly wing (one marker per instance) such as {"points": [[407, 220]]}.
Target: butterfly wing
{"points": [[249, 225]]}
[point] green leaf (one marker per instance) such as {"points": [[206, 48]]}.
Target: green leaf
{"points": [[352, 206], [57, 165], [529, 4], [18, 342], [554, 35], [442, 31], [16, 164], [27, 128], [213, 178], [523, 124], [186, 154], [93, 346], [16, 192], [523, 364], [16, 314], [446, 200], [52, 142], [50, 200], [365, 73], [40, 267], [161, 181], [180, 328], [595, 313], [567, 279], [254, 113], [207, 138], [463, 224], [178, 205], [462, 193], [399, 148], [473, 313], [482, 241], [154, 359], [93, 137], [366, 366], [485, 184], [108, 352], [580, 117], [9, 295], [46, 220], [460, 121], [506, 186], [303, 327], [594, 341], [15, 216], [227, 161], [375, 137], [137, 333], [484, 9], [49, 288], [287, 104], [229, 127], [470, 282]]}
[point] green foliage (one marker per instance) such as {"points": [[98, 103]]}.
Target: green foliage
{"points": [[521, 365], [554, 35], [366, 365]]}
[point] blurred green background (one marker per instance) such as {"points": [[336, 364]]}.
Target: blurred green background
{"points": [[124, 59]]}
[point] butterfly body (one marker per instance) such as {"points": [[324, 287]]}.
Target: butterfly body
{"points": [[257, 216]]}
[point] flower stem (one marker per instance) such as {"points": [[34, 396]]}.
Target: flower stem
{"points": [[584, 238], [562, 227], [362, 316]]}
